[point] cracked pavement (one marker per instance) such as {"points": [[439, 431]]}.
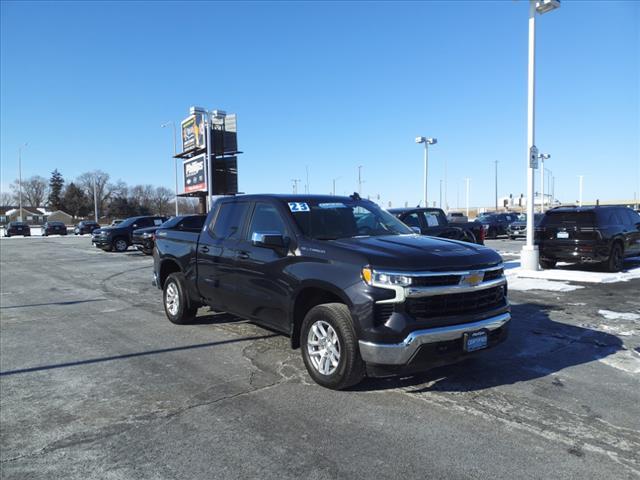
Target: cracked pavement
{"points": [[96, 384]]}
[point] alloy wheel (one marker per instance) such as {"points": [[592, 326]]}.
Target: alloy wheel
{"points": [[323, 347]]}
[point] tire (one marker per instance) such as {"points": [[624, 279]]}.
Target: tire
{"points": [[491, 233], [324, 323], [615, 261], [147, 251], [76, 231], [547, 264], [175, 301], [119, 244]]}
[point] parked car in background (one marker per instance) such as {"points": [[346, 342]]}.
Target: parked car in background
{"points": [[144, 238], [53, 228], [603, 235], [457, 217], [17, 228], [355, 290], [115, 222], [119, 238], [85, 226], [518, 229], [495, 224], [433, 222]]}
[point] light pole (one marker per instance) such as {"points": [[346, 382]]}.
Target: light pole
{"points": [[20, 176], [175, 160], [542, 157], [306, 187], [294, 182], [360, 180], [529, 259], [95, 200], [580, 197], [440, 193], [427, 141], [334, 184], [496, 183], [467, 197]]}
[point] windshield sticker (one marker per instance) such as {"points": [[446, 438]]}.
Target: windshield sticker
{"points": [[298, 207], [432, 220], [332, 205]]}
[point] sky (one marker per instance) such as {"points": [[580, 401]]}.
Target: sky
{"points": [[328, 86]]}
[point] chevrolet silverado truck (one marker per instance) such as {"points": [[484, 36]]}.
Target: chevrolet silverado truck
{"points": [[434, 222], [358, 291]]}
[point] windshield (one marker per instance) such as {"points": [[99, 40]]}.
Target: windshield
{"points": [[485, 217], [326, 220], [127, 222], [569, 219]]}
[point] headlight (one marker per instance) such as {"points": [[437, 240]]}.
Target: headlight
{"points": [[147, 235], [384, 279]]}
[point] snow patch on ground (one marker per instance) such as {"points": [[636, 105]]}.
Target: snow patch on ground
{"points": [[609, 315], [557, 279], [524, 284]]}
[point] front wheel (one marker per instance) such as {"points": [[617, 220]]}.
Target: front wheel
{"points": [[175, 300], [330, 347], [616, 259], [120, 244]]}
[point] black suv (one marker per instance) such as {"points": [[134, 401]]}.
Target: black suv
{"points": [[496, 224], [17, 228], [588, 235], [118, 238], [86, 226], [53, 228]]}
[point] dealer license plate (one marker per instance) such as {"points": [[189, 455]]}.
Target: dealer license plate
{"points": [[562, 235], [475, 341]]}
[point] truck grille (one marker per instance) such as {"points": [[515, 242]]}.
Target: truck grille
{"points": [[493, 274], [382, 312], [456, 304], [436, 281]]}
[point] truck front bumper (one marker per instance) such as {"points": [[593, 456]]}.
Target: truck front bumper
{"points": [[404, 352]]}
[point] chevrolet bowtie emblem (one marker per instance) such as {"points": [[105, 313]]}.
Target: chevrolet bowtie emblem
{"points": [[472, 279]]}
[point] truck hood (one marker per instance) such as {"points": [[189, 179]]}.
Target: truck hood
{"points": [[419, 252]]}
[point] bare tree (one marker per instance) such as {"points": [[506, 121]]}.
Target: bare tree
{"points": [[86, 182], [188, 206], [161, 201], [143, 196], [34, 191], [6, 199]]}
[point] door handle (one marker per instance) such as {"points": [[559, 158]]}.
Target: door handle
{"points": [[242, 255], [204, 249]]}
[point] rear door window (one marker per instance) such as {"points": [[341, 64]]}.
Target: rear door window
{"points": [[229, 220], [433, 219], [194, 222]]}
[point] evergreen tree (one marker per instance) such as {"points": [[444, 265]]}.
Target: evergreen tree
{"points": [[56, 184], [75, 201]]}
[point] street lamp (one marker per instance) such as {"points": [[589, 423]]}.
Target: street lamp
{"points": [[427, 141], [334, 184], [175, 160], [24, 145], [529, 259], [542, 157]]}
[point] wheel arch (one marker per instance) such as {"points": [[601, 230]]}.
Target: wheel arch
{"points": [[307, 297]]}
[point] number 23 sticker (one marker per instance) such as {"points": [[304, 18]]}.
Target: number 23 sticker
{"points": [[298, 207]]}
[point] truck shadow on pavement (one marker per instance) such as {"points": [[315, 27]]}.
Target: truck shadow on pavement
{"points": [[536, 347]]}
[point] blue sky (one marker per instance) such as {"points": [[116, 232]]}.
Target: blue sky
{"points": [[327, 85]]}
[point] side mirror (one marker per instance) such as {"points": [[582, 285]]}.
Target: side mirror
{"points": [[269, 240], [416, 230]]}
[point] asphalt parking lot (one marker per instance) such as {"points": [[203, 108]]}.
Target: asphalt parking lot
{"points": [[95, 383]]}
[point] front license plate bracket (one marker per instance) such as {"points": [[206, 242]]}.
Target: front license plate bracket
{"points": [[472, 341]]}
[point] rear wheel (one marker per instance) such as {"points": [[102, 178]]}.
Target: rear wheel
{"points": [[175, 300], [492, 233], [616, 258], [330, 348], [547, 264], [468, 236], [120, 244]]}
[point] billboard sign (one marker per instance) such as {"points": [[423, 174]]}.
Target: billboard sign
{"points": [[195, 179], [193, 134]]}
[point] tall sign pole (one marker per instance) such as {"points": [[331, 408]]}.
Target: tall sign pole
{"points": [[207, 123], [95, 199], [20, 179]]}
